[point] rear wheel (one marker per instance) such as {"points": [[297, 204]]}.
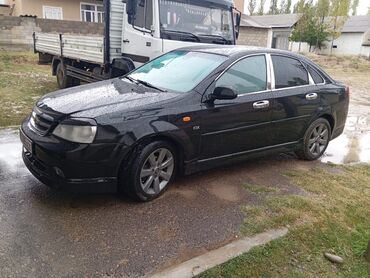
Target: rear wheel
{"points": [[315, 141], [152, 170]]}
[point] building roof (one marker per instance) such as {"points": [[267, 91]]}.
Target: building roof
{"points": [[357, 24], [247, 21], [270, 21]]}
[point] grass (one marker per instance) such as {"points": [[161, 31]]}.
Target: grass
{"points": [[333, 216], [22, 82]]}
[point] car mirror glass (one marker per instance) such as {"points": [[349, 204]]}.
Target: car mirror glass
{"points": [[223, 93]]}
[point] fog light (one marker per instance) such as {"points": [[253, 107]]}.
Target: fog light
{"points": [[59, 172]]}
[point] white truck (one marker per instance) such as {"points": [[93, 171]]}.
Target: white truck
{"points": [[135, 32]]}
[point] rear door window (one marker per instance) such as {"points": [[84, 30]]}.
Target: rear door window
{"points": [[246, 76], [289, 72]]}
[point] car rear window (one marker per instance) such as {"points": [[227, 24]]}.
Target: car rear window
{"points": [[289, 72], [315, 75]]}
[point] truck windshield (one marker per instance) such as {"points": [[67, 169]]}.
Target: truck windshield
{"points": [[192, 18], [179, 70]]}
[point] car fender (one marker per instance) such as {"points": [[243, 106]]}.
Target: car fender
{"points": [[157, 129]]}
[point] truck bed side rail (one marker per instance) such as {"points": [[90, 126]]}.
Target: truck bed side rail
{"points": [[77, 47]]}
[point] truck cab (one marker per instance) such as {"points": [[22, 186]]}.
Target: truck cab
{"points": [[137, 31], [154, 27]]}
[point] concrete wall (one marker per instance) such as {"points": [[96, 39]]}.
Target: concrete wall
{"points": [[70, 8], [16, 32], [347, 43], [299, 47], [342, 47], [253, 36]]}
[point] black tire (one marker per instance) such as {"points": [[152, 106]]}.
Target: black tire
{"points": [[64, 81], [313, 139], [130, 179]]}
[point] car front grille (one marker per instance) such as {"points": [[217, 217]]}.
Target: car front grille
{"points": [[41, 122]]}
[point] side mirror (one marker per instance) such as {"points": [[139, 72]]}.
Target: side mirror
{"points": [[131, 7], [222, 93], [238, 18]]}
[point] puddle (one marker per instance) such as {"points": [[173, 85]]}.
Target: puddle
{"points": [[10, 152], [353, 146], [228, 193]]}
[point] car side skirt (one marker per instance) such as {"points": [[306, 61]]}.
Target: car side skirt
{"points": [[205, 164]]}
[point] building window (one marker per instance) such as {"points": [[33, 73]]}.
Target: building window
{"points": [[52, 12], [92, 12]]}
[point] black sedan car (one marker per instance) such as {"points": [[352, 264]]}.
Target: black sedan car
{"points": [[186, 111]]}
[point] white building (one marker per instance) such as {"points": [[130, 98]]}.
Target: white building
{"points": [[354, 39]]}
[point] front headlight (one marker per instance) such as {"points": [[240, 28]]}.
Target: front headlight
{"points": [[84, 134]]}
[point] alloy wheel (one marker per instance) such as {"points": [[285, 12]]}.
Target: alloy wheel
{"points": [[319, 140], [157, 171]]}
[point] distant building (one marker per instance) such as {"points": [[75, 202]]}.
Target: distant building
{"points": [[86, 10], [353, 40], [271, 31]]}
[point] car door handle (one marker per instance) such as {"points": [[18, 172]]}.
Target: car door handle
{"points": [[125, 41], [261, 104], [311, 96]]}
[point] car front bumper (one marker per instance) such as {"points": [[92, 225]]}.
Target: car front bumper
{"points": [[70, 166]]}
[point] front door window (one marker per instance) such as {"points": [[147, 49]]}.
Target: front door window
{"points": [[246, 76]]}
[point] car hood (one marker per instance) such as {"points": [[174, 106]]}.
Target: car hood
{"points": [[103, 97]]}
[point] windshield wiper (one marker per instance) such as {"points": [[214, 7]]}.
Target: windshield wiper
{"points": [[147, 84], [184, 33], [215, 36], [131, 79]]}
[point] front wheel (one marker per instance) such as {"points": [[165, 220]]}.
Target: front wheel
{"points": [[315, 141], [152, 170]]}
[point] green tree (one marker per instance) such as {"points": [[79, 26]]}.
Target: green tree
{"points": [[252, 4], [299, 6], [339, 10], [273, 7], [311, 27], [261, 7], [285, 6], [288, 7], [354, 6], [321, 11]]}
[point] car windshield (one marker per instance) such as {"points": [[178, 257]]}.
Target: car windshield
{"points": [[179, 71], [193, 18]]}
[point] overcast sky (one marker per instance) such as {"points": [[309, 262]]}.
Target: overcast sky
{"points": [[361, 10]]}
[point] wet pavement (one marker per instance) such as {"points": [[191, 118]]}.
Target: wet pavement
{"points": [[353, 146], [44, 233]]}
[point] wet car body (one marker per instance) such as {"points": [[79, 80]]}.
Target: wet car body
{"points": [[129, 115]]}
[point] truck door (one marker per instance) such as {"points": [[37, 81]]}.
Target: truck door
{"points": [[138, 42]]}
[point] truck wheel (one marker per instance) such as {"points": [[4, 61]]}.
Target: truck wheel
{"points": [[64, 81]]}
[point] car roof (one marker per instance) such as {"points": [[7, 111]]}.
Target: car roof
{"points": [[238, 50]]}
